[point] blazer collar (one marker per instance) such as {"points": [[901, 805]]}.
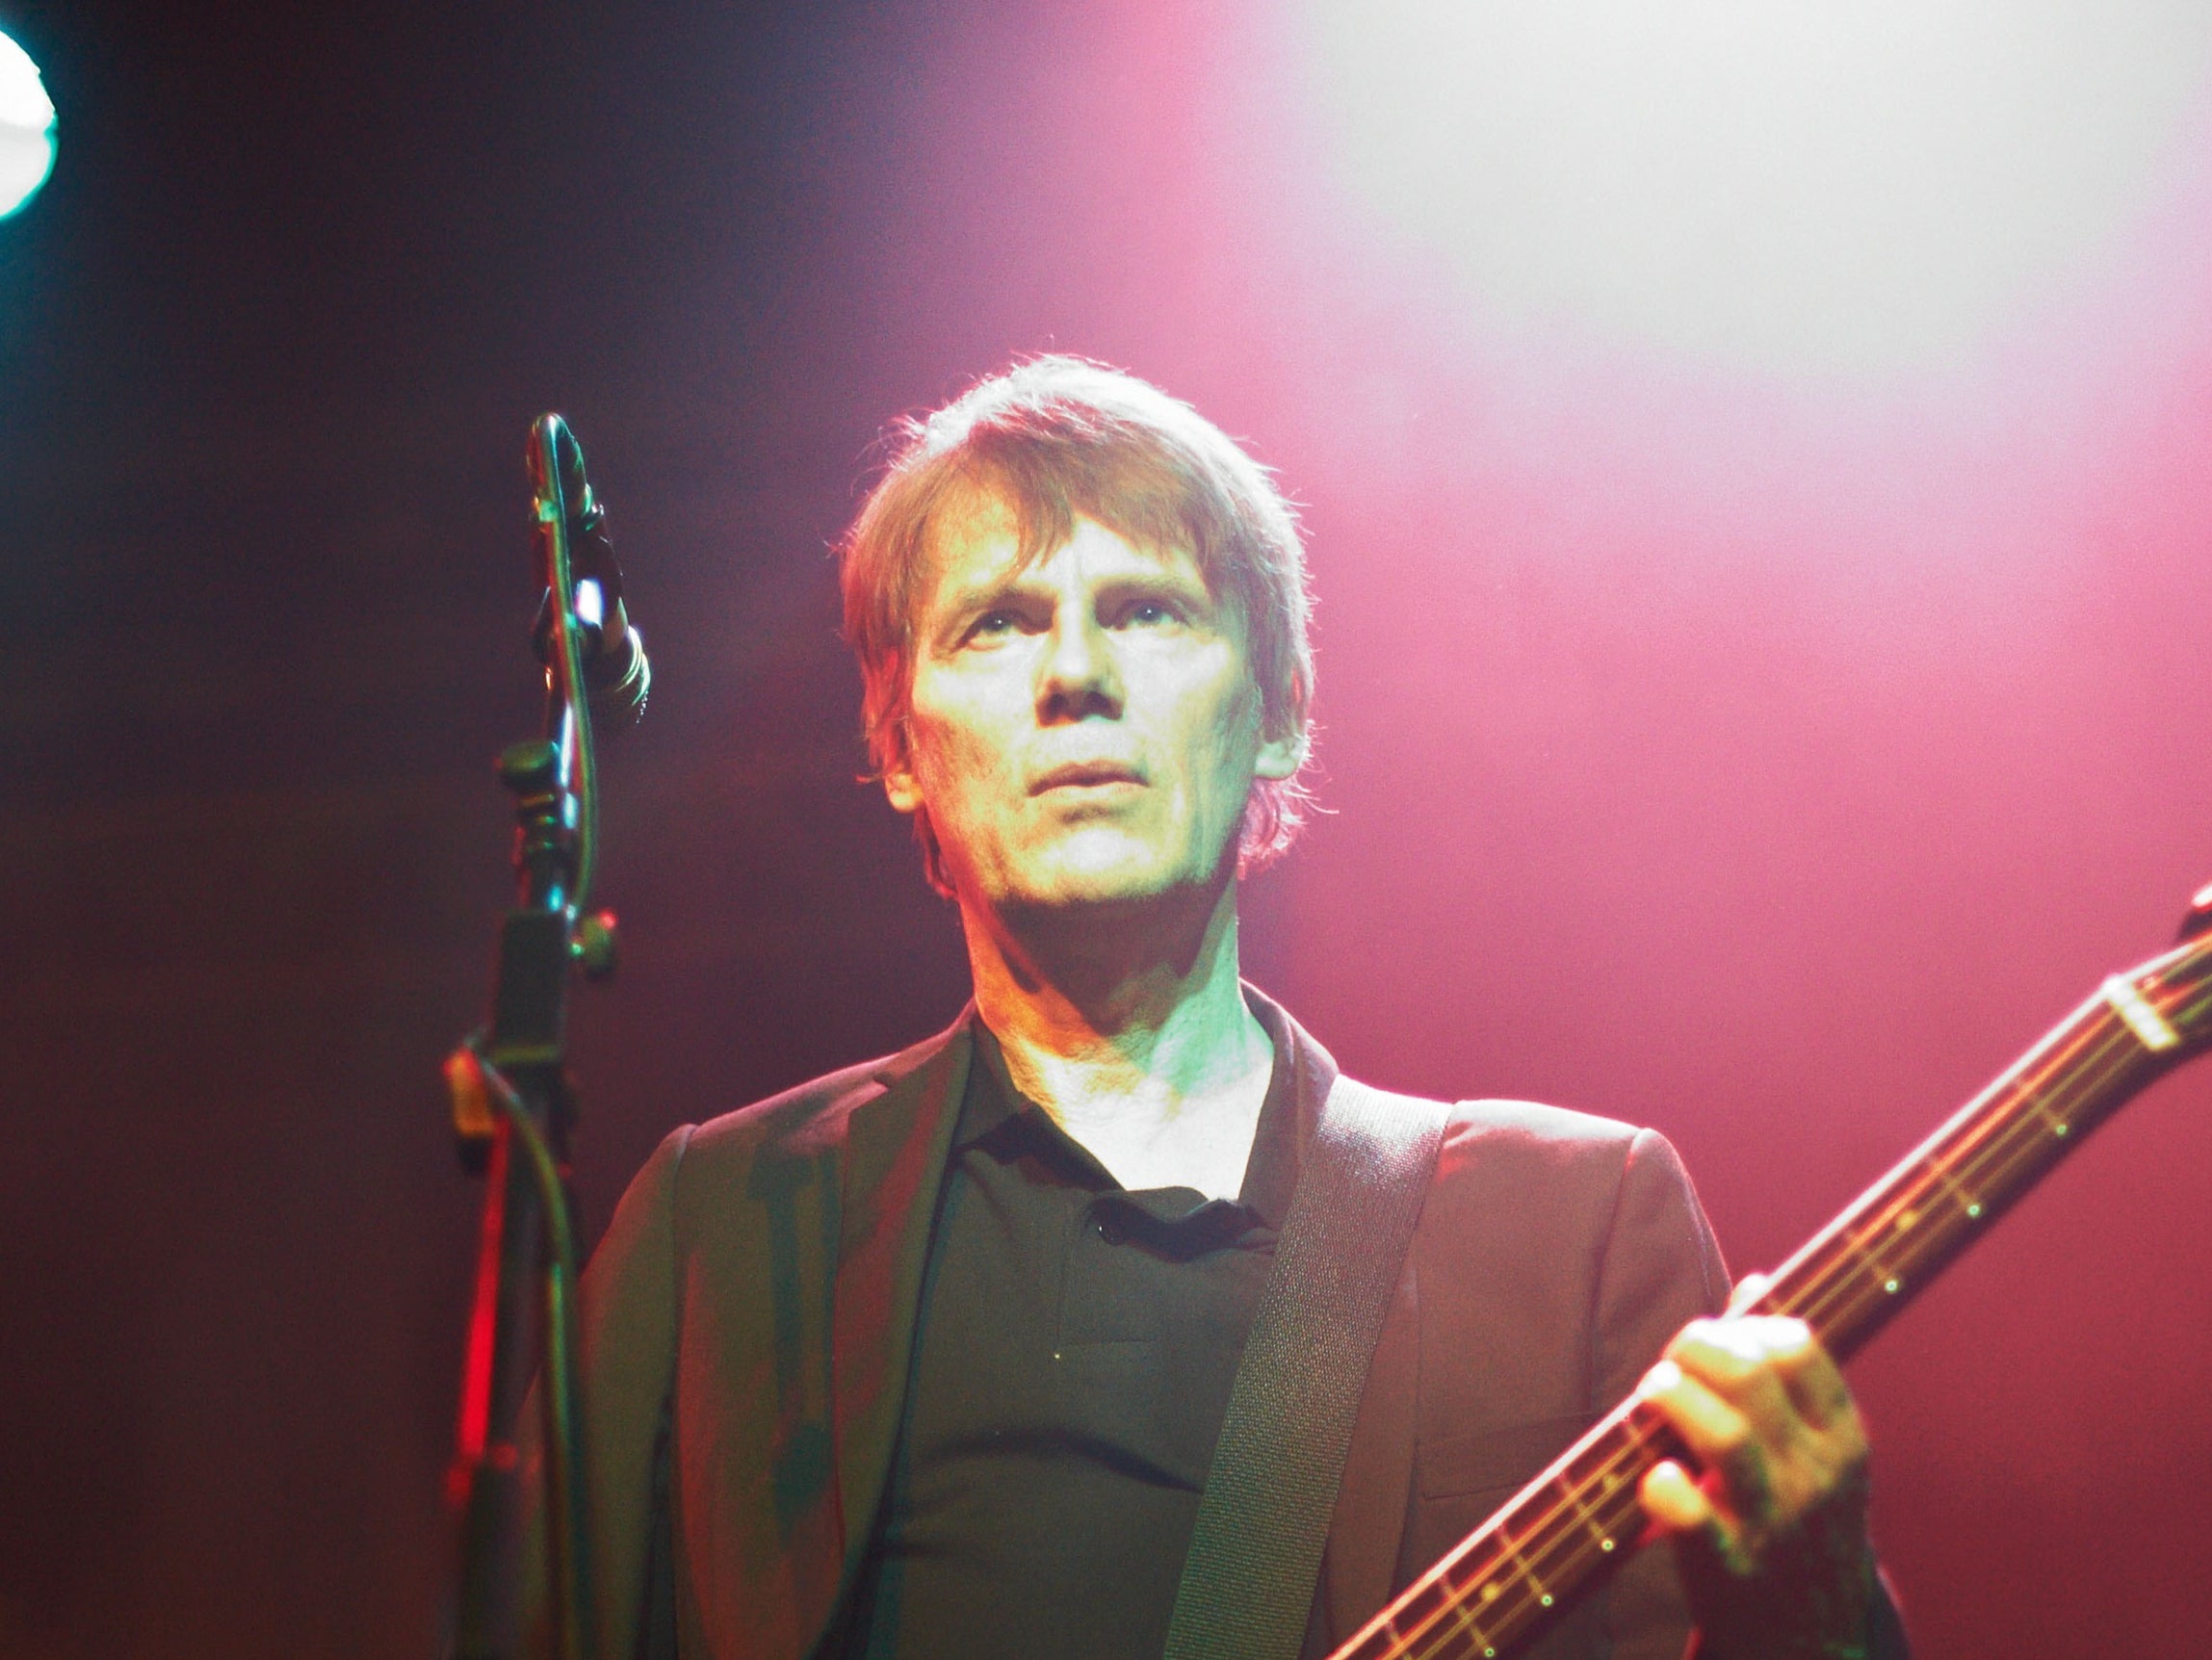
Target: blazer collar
{"points": [[897, 1142], [1369, 1518]]}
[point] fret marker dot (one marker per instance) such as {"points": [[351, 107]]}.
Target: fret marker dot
{"points": [[1490, 1654], [1973, 1211], [1890, 1285], [1548, 1600], [2059, 1130], [1490, 1592], [1605, 1545]]}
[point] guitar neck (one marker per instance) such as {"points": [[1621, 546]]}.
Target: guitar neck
{"points": [[1573, 1524]]}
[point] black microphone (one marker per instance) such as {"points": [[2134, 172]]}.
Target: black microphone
{"points": [[617, 674]]}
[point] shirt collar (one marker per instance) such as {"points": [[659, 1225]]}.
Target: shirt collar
{"points": [[994, 1109]]}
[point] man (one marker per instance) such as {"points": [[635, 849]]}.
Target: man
{"points": [[929, 1357]]}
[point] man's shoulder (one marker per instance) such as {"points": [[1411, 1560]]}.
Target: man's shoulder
{"points": [[1530, 1151], [1493, 1126], [1539, 1127], [814, 1113]]}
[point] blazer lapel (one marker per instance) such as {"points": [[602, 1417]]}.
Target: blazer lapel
{"points": [[895, 1146], [1370, 1519]]}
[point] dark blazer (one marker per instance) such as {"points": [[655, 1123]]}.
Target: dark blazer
{"points": [[754, 1300]]}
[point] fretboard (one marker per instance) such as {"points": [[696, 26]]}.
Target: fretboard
{"points": [[1575, 1523]]}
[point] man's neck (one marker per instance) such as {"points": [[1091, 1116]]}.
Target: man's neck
{"points": [[1132, 1031]]}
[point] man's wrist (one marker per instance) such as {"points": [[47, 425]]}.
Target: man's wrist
{"points": [[1812, 1598]]}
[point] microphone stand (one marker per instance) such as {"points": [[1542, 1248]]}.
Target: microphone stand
{"points": [[513, 1112]]}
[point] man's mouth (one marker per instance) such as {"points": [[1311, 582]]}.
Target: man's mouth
{"points": [[1085, 776]]}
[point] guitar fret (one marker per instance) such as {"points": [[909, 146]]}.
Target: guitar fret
{"points": [[1435, 1603], [1883, 1276], [1571, 1493], [1463, 1618], [1941, 1170], [1496, 1588], [1407, 1623]]}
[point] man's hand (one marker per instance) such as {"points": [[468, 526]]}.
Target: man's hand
{"points": [[1772, 1536]]}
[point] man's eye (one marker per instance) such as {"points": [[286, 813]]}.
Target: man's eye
{"points": [[1148, 613], [992, 624]]}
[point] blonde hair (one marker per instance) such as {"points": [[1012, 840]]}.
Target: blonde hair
{"points": [[1051, 438]]}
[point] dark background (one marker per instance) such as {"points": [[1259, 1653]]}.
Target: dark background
{"points": [[1761, 755]]}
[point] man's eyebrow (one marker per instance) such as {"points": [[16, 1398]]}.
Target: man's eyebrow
{"points": [[1187, 589], [1172, 576], [959, 596], [957, 604]]}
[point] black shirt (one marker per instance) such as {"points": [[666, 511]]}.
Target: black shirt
{"points": [[1073, 1360]]}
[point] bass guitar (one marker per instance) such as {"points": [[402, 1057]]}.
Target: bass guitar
{"points": [[1560, 1536]]}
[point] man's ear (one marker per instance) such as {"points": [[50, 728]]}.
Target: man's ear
{"points": [[1282, 755], [899, 785], [898, 781]]}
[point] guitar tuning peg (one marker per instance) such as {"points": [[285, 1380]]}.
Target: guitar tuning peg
{"points": [[2199, 917]]}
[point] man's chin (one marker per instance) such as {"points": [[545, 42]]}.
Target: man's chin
{"points": [[1101, 872]]}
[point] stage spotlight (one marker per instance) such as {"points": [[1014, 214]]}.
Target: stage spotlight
{"points": [[1784, 183], [26, 128]]}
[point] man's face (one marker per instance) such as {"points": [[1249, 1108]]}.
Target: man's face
{"points": [[1080, 730]]}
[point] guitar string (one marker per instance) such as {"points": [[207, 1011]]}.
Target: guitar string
{"points": [[1993, 1144], [1846, 1272], [1982, 1153], [1531, 1565], [1988, 1151]]}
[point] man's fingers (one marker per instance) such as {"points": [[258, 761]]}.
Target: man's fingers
{"points": [[1674, 1501], [1739, 1345], [1762, 1408], [1815, 1386], [1734, 1361], [1678, 1504], [1717, 1432], [1749, 1290], [1760, 1361]]}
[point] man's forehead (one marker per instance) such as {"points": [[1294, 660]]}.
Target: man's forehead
{"points": [[966, 531], [975, 543]]}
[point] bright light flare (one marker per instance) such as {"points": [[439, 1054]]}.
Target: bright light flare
{"points": [[1765, 183], [26, 128]]}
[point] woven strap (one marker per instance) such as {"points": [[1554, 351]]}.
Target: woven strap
{"points": [[1263, 1519]]}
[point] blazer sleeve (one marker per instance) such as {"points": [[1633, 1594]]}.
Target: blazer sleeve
{"points": [[1556, 1256], [1660, 1269], [626, 1334]]}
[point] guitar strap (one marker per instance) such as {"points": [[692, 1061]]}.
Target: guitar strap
{"points": [[1247, 1585]]}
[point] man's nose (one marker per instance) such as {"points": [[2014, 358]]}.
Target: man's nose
{"points": [[1078, 676]]}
